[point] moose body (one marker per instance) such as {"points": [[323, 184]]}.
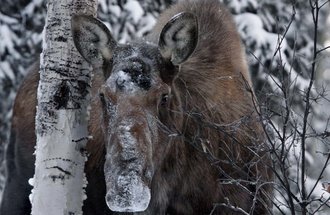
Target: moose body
{"points": [[173, 120]]}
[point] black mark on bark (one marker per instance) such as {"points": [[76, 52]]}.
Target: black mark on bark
{"points": [[62, 96], [61, 39], [61, 169]]}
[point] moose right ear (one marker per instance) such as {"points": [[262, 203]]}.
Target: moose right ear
{"points": [[92, 39], [179, 38]]}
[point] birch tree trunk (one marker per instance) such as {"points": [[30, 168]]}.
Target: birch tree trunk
{"points": [[62, 114]]}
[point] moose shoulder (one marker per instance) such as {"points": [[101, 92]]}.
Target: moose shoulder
{"points": [[174, 125]]}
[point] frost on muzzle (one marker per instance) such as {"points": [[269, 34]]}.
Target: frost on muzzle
{"points": [[128, 171]]}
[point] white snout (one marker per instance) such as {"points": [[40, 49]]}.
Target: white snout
{"points": [[128, 193]]}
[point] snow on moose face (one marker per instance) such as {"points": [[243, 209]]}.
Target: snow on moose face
{"points": [[130, 98], [136, 101]]}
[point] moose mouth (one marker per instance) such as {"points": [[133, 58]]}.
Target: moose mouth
{"points": [[128, 193]]}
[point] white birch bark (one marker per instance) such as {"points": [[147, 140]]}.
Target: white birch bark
{"points": [[62, 114]]}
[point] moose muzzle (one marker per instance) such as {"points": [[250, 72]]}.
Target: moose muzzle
{"points": [[128, 167]]}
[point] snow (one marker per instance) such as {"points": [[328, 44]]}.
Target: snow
{"points": [[239, 5], [252, 26], [8, 20], [124, 80], [128, 142], [115, 10], [8, 41], [147, 22], [30, 8], [6, 71], [135, 10], [103, 6], [325, 59]]}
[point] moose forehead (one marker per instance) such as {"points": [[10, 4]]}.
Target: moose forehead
{"points": [[134, 66]]}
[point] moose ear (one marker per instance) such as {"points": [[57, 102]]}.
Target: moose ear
{"points": [[179, 38], [92, 39]]}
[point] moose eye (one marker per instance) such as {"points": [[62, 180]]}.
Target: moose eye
{"points": [[164, 100], [107, 101], [101, 95]]}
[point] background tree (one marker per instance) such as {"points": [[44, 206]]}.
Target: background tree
{"points": [[283, 50]]}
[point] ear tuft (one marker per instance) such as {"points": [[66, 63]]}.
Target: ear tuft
{"points": [[179, 38], [92, 39]]}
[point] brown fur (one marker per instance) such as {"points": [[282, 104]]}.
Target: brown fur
{"points": [[219, 138], [214, 83]]}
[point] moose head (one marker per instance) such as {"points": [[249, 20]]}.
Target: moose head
{"points": [[139, 102]]}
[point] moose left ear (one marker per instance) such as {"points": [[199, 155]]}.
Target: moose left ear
{"points": [[179, 38], [92, 39]]}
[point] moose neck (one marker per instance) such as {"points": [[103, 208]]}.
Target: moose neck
{"points": [[182, 175]]}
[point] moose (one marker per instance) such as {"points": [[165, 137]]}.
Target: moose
{"points": [[174, 121]]}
